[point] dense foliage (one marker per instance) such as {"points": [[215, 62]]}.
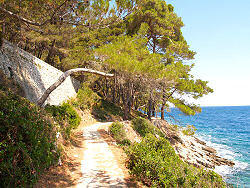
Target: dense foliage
{"points": [[117, 131], [189, 130], [27, 141], [155, 162], [86, 98], [66, 116], [144, 127], [107, 111]]}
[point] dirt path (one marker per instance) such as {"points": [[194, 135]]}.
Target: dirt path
{"points": [[91, 159], [99, 167]]}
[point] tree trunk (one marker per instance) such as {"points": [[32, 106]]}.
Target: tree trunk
{"points": [[63, 77], [114, 89], [126, 111], [164, 100], [163, 104], [150, 107], [153, 111], [162, 110], [50, 57], [136, 104]]}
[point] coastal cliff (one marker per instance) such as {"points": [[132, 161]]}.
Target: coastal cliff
{"points": [[191, 149]]}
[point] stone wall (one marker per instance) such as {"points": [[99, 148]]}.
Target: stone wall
{"points": [[34, 75]]}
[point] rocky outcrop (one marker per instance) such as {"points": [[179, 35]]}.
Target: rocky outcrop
{"points": [[190, 148]]}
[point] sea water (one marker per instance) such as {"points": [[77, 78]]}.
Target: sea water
{"points": [[227, 129]]}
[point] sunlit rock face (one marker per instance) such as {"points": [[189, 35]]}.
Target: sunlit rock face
{"points": [[34, 75]]}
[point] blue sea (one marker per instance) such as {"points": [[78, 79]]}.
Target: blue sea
{"points": [[227, 129]]}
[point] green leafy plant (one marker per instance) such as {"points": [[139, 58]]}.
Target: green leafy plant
{"points": [[144, 127], [117, 131], [155, 162], [66, 116], [86, 98], [27, 141], [106, 110], [189, 130]]}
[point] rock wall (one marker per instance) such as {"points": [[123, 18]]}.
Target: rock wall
{"points": [[34, 75]]}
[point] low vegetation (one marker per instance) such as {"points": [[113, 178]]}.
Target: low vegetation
{"points": [[101, 109], [189, 130], [86, 98], [117, 131], [155, 163], [66, 117], [27, 141], [28, 135], [106, 110], [144, 127]]}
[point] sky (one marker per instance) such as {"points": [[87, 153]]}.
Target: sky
{"points": [[219, 31]]}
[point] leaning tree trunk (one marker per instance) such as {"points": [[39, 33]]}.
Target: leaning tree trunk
{"points": [[63, 77]]}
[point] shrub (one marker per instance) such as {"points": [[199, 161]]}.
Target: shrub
{"points": [[10, 85], [126, 142], [27, 141], [143, 127], [173, 127], [106, 110], [117, 131], [189, 130], [65, 113], [86, 98], [155, 162]]}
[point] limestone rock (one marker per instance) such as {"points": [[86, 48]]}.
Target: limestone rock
{"points": [[190, 148]]}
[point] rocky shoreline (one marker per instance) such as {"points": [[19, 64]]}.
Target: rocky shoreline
{"points": [[190, 148]]}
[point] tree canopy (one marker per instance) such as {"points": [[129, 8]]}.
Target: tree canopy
{"points": [[140, 42]]}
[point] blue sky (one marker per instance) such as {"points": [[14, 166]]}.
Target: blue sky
{"points": [[219, 31]]}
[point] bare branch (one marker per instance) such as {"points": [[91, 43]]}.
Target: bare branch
{"points": [[22, 18], [63, 77]]}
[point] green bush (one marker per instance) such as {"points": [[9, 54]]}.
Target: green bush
{"points": [[155, 162], [106, 110], [189, 130], [117, 131], [86, 98], [144, 127], [126, 142], [65, 113], [27, 141]]}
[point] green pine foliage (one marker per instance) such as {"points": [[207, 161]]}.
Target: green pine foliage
{"points": [[27, 141], [140, 41], [86, 98]]}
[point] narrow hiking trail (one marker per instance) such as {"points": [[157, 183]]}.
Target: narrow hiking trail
{"points": [[99, 167]]}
